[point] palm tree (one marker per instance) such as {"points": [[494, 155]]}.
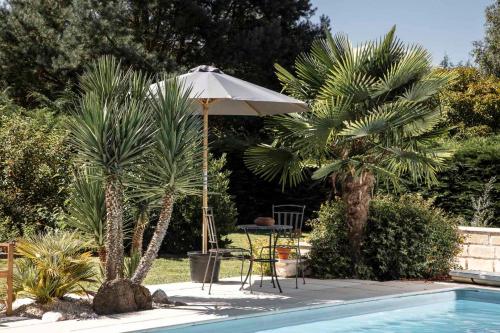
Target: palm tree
{"points": [[375, 112], [111, 131], [174, 167]]}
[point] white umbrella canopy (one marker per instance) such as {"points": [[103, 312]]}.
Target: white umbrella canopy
{"points": [[221, 94], [231, 96]]}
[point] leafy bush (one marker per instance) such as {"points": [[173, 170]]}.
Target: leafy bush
{"points": [[472, 102], [184, 232], [483, 206], [405, 238], [34, 171], [475, 161], [52, 265]]}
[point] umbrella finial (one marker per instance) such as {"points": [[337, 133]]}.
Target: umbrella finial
{"points": [[206, 68]]}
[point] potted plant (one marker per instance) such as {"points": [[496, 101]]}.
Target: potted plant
{"points": [[198, 264], [283, 252]]}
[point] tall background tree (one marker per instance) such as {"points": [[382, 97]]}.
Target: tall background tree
{"points": [[487, 51], [45, 45]]}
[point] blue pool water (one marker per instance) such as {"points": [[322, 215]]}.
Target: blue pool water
{"points": [[466, 310]]}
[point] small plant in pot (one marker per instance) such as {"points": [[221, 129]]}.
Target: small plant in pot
{"points": [[283, 252]]}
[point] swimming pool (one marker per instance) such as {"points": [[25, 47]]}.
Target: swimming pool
{"points": [[462, 310]]}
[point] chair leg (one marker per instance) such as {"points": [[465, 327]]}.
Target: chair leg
{"points": [[297, 269], [213, 272], [303, 273], [241, 270], [250, 277], [206, 270], [261, 268], [301, 264]]}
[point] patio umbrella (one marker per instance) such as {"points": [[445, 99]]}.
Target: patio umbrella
{"points": [[221, 94]]}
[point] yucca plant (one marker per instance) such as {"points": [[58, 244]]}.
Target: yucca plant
{"points": [[374, 115], [175, 162], [52, 265], [111, 130], [87, 209]]}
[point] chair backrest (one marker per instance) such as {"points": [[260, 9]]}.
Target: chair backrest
{"points": [[212, 232], [292, 215]]}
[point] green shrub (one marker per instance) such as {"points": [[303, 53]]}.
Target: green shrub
{"points": [[330, 245], [184, 232], [475, 161], [405, 238], [52, 265], [34, 171]]}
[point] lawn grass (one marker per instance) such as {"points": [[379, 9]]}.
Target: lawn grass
{"points": [[169, 270], [176, 269]]}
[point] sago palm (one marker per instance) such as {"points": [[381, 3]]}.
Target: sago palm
{"points": [[52, 266], [111, 131], [175, 163], [374, 113]]}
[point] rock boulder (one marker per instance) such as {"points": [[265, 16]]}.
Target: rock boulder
{"points": [[121, 295], [160, 297]]}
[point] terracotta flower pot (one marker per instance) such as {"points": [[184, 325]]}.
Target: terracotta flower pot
{"points": [[264, 221], [283, 252]]}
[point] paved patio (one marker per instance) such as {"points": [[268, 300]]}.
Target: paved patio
{"points": [[226, 300]]}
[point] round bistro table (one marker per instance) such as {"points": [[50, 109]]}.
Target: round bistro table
{"points": [[274, 232]]}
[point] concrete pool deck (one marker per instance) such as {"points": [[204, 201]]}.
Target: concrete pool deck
{"points": [[227, 301]]}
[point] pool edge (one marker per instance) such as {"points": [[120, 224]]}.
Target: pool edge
{"points": [[315, 307]]}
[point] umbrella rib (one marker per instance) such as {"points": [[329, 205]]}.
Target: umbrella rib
{"points": [[251, 107]]}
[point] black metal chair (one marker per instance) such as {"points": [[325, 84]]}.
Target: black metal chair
{"points": [[230, 253], [290, 215]]}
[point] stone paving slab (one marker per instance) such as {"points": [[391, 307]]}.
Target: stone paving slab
{"points": [[227, 300]]}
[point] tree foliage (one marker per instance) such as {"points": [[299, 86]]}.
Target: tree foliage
{"points": [[86, 208], [173, 167], [374, 108], [34, 170], [487, 51], [474, 162], [44, 45], [184, 233], [472, 102]]}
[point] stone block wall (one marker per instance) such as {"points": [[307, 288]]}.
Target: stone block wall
{"points": [[481, 249]]}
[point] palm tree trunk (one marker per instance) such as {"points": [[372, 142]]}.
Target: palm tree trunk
{"points": [[102, 255], [114, 229], [155, 243], [357, 194], [138, 235]]}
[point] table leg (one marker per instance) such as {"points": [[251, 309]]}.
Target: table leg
{"points": [[271, 250], [250, 267], [274, 261]]}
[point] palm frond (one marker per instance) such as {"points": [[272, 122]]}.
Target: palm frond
{"points": [[52, 265], [413, 65], [86, 208], [112, 126], [330, 168], [373, 107], [177, 152], [270, 162]]}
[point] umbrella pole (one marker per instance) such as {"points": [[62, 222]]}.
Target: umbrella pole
{"points": [[205, 176]]}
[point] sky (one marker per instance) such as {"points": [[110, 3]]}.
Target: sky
{"points": [[442, 26]]}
